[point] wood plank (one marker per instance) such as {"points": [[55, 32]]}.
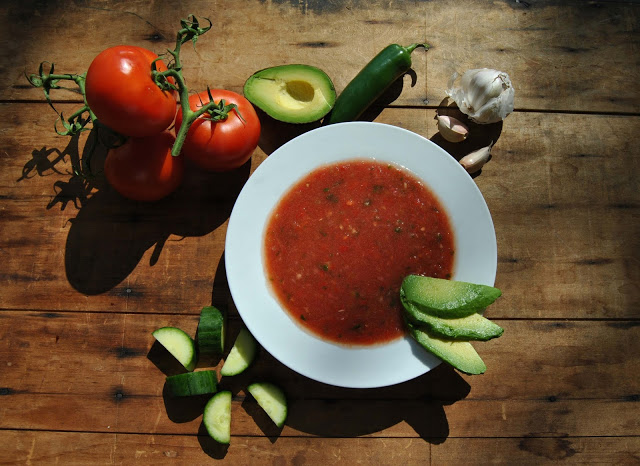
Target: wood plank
{"points": [[584, 66], [99, 367], [555, 360], [328, 418], [537, 451], [42, 447], [564, 206], [88, 448]]}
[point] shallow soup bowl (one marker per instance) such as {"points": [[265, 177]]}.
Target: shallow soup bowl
{"points": [[340, 365]]}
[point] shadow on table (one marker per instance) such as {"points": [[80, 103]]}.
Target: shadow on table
{"points": [[323, 410], [357, 412], [479, 135], [209, 446], [110, 234]]}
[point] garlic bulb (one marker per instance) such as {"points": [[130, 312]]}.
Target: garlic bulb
{"points": [[452, 129], [474, 161], [485, 95]]}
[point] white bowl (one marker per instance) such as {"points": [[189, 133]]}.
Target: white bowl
{"points": [[355, 367]]}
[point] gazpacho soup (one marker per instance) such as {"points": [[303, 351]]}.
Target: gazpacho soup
{"points": [[339, 243]]}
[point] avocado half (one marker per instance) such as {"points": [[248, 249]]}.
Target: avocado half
{"points": [[291, 93]]}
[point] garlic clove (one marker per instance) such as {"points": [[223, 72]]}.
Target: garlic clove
{"points": [[485, 95], [452, 129], [474, 161]]}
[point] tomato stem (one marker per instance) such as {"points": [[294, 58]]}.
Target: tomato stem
{"points": [[190, 31], [48, 81], [79, 119]]}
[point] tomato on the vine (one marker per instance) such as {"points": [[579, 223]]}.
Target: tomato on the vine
{"points": [[143, 169], [224, 144], [122, 94]]}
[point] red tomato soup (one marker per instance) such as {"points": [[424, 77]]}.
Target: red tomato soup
{"points": [[339, 243]]}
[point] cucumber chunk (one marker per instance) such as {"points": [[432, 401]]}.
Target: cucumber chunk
{"points": [[460, 354], [211, 331], [217, 417], [447, 298], [179, 344], [241, 355], [272, 399], [473, 327], [193, 383]]}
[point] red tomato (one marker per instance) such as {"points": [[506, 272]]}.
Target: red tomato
{"points": [[143, 169], [225, 144], [122, 94]]}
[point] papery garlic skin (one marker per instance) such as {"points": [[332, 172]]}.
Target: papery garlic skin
{"points": [[484, 95], [452, 129], [474, 161]]}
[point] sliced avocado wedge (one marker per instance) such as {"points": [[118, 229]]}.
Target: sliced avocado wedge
{"points": [[472, 327], [447, 298], [460, 354], [291, 93]]}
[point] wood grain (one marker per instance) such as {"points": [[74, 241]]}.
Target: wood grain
{"points": [[44, 447], [86, 276], [565, 206], [560, 55], [118, 381], [555, 360], [536, 451]]}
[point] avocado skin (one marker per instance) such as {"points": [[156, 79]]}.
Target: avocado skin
{"points": [[447, 298], [472, 327], [459, 354], [293, 93]]}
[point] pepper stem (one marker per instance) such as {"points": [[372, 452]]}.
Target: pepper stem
{"points": [[412, 47]]}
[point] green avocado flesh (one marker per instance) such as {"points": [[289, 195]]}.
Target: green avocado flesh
{"points": [[460, 354], [291, 93], [447, 298], [472, 327]]}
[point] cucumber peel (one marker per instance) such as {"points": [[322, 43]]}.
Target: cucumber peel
{"points": [[271, 398], [217, 417], [193, 383], [241, 355], [210, 336], [179, 344]]}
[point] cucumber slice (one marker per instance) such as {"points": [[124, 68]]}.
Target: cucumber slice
{"points": [[460, 354], [473, 327], [217, 417], [179, 344], [211, 331], [241, 355], [193, 383], [270, 398]]}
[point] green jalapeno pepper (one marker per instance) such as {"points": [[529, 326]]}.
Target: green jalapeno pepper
{"points": [[369, 84]]}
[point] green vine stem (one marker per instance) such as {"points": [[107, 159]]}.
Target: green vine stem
{"points": [[48, 81], [217, 111]]}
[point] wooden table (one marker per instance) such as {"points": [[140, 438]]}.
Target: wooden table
{"points": [[86, 276]]}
